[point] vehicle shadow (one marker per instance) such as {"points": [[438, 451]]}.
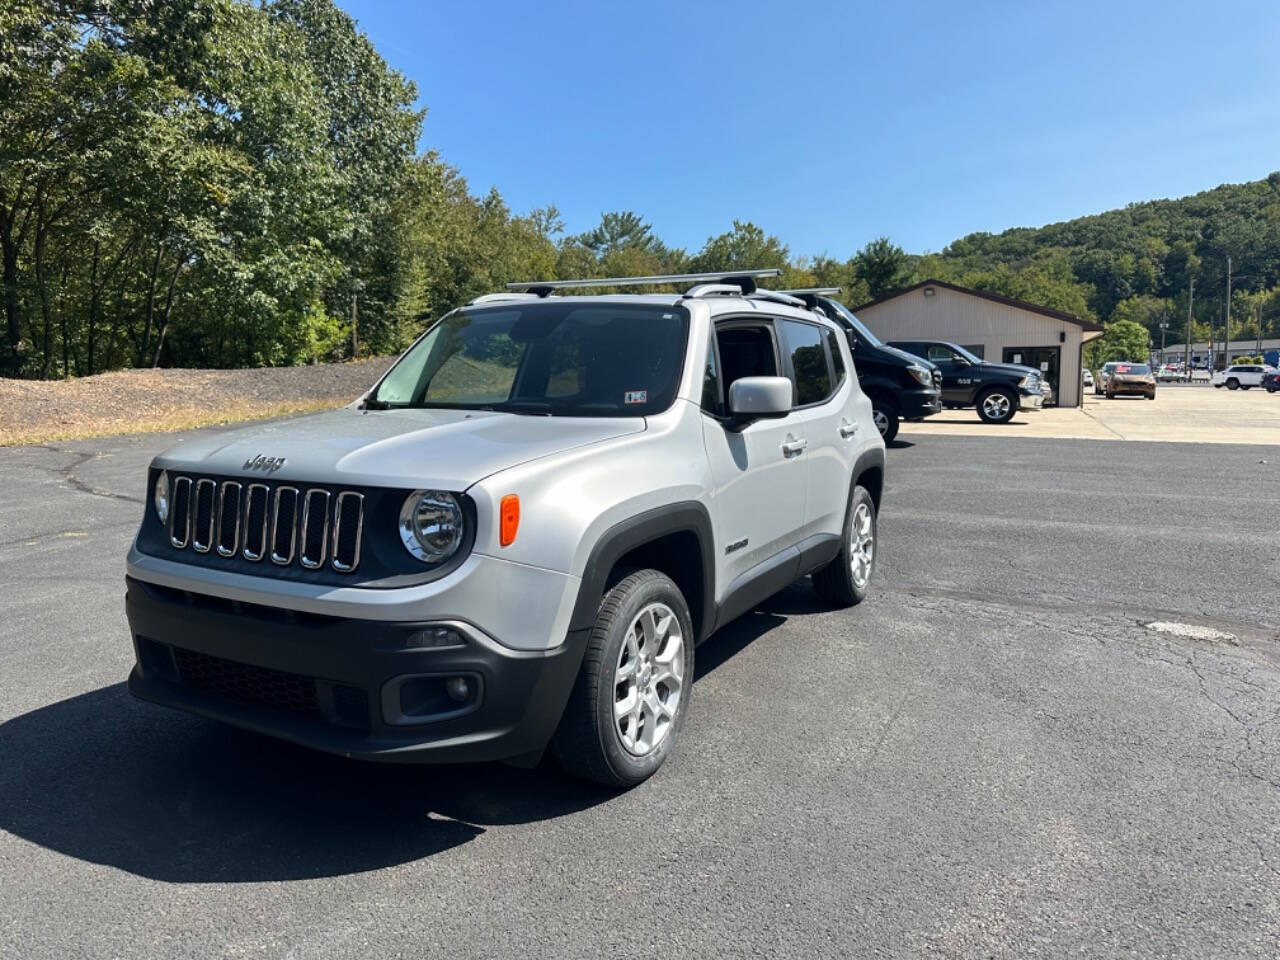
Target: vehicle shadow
{"points": [[899, 444], [107, 779]]}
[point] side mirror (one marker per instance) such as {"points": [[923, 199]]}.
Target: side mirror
{"points": [[758, 398]]}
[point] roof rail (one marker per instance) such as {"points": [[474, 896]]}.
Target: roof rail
{"points": [[497, 297], [745, 280], [809, 295], [777, 296]]}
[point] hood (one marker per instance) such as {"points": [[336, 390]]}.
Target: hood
{"points": [[1012, 369], [444, 449], [908, 357]]}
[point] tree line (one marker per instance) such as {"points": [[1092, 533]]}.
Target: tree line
{"points": [[198, 183]]}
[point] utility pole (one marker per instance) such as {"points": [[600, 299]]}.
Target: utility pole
{"points": [[1164, 327], [1259, 353], [1191, 295], [1226, 339]]}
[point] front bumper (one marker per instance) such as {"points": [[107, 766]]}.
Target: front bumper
{"points": [[1030, 400], [361, 688], [1119, 388], [924, 402]]}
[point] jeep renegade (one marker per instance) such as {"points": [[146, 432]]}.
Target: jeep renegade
{"points": [[516, 539]]}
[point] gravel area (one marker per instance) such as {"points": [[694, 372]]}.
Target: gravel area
{"points": [[149, 401]]}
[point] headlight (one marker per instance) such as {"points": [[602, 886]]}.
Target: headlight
{"points": [[160, 497], [921, 373], [1029, 382], [431, 523]]}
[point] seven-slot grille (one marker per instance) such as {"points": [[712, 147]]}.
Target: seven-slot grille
{"points": [[257, 520]]}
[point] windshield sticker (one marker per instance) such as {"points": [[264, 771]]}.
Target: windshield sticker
{"points": [[636, 396]]}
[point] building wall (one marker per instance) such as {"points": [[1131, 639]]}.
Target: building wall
{"points": [[963, 319]]}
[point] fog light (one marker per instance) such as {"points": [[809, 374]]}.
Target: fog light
{"points": [[458, 689]]}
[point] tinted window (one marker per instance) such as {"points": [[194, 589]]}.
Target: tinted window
{"points": [[712, 388], [940, 354], [561, 359], [803, 342], [837, 361]]}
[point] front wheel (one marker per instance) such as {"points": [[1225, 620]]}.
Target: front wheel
{"points": [[1233, 384], [846, 579], [633, 687], [997, 406], [884, 414]]}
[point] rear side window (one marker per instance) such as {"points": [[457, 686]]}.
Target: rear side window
{"points": [[837, 361], [803, 343]]}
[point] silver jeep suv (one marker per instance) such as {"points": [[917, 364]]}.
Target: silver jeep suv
{"points": [[518, 537]]}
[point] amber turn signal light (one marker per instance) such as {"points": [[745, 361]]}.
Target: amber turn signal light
{"points": [[509, 519]]}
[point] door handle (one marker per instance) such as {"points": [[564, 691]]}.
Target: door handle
{"points": [[847, 429], [793, 448]]}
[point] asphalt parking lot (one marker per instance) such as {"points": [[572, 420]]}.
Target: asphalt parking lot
{"points": [[993, 756]]}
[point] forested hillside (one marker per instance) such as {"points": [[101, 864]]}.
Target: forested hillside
{"points": [[234, 183]]}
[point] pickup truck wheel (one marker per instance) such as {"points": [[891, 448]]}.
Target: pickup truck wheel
{"points": [[884, 414], [997, 406], [846, 579], [632, 690]]}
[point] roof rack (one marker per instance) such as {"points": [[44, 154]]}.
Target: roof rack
{"points": [[496, 297], [744, 280]]}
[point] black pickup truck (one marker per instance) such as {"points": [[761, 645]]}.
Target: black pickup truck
{"points": [[900, 386], [997, 390]]}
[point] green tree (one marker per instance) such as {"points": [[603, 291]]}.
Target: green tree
{"points": [[882, 265]]}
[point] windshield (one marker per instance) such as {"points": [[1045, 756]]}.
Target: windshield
{"points": [[842, 313], [1133, 368], [552, 358]]}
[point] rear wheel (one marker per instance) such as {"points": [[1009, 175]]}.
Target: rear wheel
{"points": [[633, 687], [847, 579], [885, 415], [997, 405]]}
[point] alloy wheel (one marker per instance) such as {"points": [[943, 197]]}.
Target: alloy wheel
{"points": [[996, 406], [862, 545], [649, 679], [881, 420]]}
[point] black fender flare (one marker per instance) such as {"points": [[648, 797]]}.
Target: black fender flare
{"points": [[686, 516], [872, 459]]}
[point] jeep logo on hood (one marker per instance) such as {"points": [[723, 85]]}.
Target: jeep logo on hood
{"points": [[265, 464]]}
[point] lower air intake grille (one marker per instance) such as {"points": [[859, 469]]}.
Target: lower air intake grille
{"points": [[270, 689]]}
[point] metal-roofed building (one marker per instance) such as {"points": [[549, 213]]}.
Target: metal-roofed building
{"points": [[996, 328]]}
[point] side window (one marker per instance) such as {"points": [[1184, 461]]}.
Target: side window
{"points": [[837, 361], [803, 342], [940, 354], [712, 385]]}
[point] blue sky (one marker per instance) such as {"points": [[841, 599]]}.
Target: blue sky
{"points": [[830, 124]]}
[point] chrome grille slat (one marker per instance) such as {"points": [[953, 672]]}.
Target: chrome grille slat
{"points": [[203, 514], [314, 527], [229, 503], [286, 498], [315, 512], [255, 521], [346, 552], [181, 506]]}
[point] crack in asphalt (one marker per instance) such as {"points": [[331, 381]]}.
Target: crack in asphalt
{"points": [[67, 474]]}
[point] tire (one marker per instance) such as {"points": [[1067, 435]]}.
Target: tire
{"points": [[1271, 389], [846, 580], [885, 415], [591, 740], [1233, 384], [997, 405]]}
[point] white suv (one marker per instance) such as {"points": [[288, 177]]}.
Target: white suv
{"points": [[517, 538], [1240, 376]]}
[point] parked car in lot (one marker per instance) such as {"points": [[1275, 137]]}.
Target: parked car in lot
{"points": [[901, 386], [1240, 376], [1087, 377], [996, 390], [516, 539], [1170, 373], [1104, 374], [1131, 379], [1271, 381]]}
